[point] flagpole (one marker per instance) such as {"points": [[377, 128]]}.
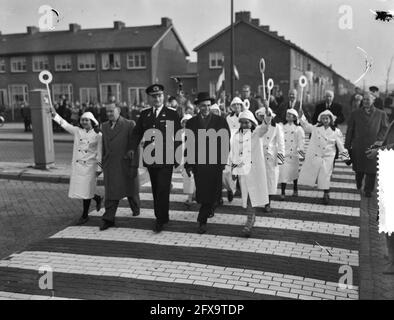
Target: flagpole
{"points": [[232, 51]]}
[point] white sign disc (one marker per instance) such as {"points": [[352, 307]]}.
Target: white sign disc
{"points": [[303, 81], [270, 84], [45, 77], [262, 65]]}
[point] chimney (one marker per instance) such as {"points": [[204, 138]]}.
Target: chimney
{"points": [[256, 22], [32, 30], [118, 25], [242, 16], [166, 22], [266, 28], [74, 27]]}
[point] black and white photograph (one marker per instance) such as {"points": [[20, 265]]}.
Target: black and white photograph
{"points": [[211, 150]]}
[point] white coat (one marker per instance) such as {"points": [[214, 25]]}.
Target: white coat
{"points": [[87, 151], [273, 143], [247, 153], [319, 159], [294, 141], [228, 183]]}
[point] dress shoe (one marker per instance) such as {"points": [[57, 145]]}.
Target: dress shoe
{"points": [[246, 232], [157, 227], [326, 199], [267, 208], [295, 194], [202, 228], [82, 220], [98, 203], [230, 195], [282, 197], [136, 213], [106, 225], [212, 214]]}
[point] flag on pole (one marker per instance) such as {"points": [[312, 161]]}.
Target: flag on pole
{"points": [[236, 74], [220, 80]]}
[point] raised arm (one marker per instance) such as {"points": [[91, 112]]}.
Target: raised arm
{"points": [[308, 128], [64, 124]]}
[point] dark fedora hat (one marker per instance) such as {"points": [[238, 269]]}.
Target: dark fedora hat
{"points": [[203, 96]]}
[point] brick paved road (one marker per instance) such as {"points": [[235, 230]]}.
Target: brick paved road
{"points": [[285, 257], [22, 151]]}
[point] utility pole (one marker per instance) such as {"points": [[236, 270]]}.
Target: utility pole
{"points": [[232, 51], [388, 76]]}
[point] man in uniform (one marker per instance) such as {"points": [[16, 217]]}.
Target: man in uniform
{"points": [[154, 121]]}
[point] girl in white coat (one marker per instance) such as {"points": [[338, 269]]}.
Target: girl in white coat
{"points": [[294, 150], [319, 161], [248, 164], [274, 152], [86, 160], [229, 184]]}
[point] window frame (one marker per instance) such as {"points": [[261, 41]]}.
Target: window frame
{"points": [[140, 97], [216, 59], [70, 91], [80, 55], [88, 94], [118, 84], [2, 59], [12, 60], [34, 60], [134, 53], [25, 93], [109, 67], [56, 64], [5, 91]]}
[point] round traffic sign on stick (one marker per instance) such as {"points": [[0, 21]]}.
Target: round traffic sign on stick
{"points": [[45, 77], [270, 84], [303, 81], [262, 65]]}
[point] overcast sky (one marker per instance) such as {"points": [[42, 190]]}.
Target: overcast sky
{"points": [[311, 24]]}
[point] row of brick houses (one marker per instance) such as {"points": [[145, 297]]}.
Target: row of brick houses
{"points": [[285, 62], [91, 65]]}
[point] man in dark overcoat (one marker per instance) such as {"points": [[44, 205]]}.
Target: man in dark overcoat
{"points": [[120, 173], [329, 104], [158, 156], [207, 174], [365, 126]]}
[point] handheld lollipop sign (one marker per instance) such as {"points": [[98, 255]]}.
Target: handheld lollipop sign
{"points": [[46, 78], [262, 69], [270, 86], [302, 81]]}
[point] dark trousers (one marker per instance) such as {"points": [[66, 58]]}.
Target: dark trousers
{"points": [[27, 124], [112, 205], [390, 247], [369, 181], [205, 210], [160, 178]]}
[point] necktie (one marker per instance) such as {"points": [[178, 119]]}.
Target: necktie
{"points": [[156, 112]]}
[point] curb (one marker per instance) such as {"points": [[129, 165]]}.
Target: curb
{"points": [[63, 179]]}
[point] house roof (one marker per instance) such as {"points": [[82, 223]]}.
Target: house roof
{"points": [[141, 37], [272, 34]]}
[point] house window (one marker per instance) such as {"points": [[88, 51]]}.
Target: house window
{"points": [[136, 60], [110, 61], [60, 89], [86, 61], [3, 97], [40, 63], [2, 65], [109, 90], [216, 60], [18, 64], [63, 63], [18, 94], [88, 95], [136, 96]]}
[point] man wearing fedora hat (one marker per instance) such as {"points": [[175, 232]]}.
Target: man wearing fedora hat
{"points": [[207, 173], [154, 121]]}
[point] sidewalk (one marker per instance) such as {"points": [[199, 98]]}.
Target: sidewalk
{"points": [[15, 132], [56, 174]]}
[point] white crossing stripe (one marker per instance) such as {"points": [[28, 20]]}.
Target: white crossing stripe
{"points": [[296, 206], [259, 282], [23, 296], [264, 246], [239, 219]]}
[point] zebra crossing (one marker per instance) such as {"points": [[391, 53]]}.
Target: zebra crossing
{"points": [[295, 252]]}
